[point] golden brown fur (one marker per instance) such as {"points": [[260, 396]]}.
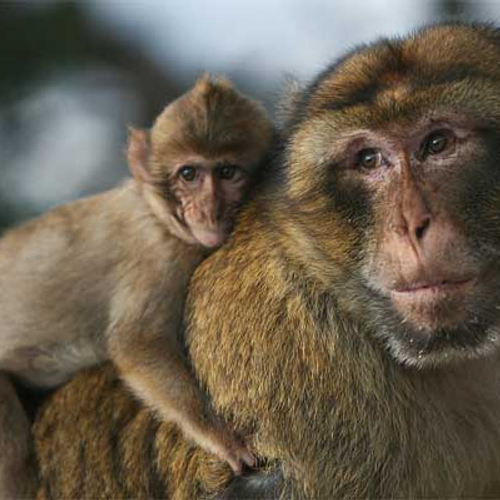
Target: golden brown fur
{"points": [[135, 437], [212, 121], [289, 341]]}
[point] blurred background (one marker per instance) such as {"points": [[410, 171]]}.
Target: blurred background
{"points": [[75, 74]]}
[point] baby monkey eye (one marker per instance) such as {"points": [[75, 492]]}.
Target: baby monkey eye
{"points": [[227, 172], [187, 172], [435, 143], [369, 158]]}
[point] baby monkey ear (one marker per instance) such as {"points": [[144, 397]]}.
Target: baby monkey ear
{"points": [[138, 154]]}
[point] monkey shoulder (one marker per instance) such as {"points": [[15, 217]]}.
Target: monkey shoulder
{"points": [[234, 303], [247, 255]]}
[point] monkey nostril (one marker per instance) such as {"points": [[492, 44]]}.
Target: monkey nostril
{"points": [[422, 228]]}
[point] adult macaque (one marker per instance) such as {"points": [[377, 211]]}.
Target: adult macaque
{"points": [[106, 277], [356, 305]]}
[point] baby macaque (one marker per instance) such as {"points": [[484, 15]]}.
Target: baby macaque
{"points": [[106, 277]]}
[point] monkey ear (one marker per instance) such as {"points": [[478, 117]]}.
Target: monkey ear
{"points": [[290, 102], [138, 153]]}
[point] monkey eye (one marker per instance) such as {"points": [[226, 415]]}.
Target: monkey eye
{"points": [[435, 143], [369, 159], [188, 173], [227, 171]]}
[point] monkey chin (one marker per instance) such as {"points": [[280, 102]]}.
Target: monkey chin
{"points": [[210, 238], [434, 326]]}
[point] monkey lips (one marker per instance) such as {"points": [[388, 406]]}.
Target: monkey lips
{"points": [[432, 304], [440, 317]]}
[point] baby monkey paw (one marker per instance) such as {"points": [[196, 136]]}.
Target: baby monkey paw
{"points": [[229, 447]]}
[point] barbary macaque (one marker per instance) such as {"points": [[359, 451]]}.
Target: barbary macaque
{"points": [[106, 277], [377, 316], [355, 306]]}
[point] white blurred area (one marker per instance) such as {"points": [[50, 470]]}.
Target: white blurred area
{"points": [[263, 40], [71, 131], [69, 134]]}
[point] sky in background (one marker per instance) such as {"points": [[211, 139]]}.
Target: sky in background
{"points": [[265, 39], [73, 130]]}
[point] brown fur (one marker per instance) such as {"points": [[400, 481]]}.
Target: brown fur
{"points": [[213, 121], [106, 277], [135, 437], [299, 362]]}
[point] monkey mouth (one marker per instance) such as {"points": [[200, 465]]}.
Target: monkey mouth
{"points": [[441, 319], [435, 303], [424, 298], [424, 288]]}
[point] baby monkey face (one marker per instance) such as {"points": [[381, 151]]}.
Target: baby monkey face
{"points": [[208, 194]]}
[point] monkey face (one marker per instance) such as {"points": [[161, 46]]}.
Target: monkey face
{"points": [[394, 169], [431, 268], [207, 195]]}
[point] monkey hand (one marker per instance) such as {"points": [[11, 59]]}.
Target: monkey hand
{"points": [[225, 444]]}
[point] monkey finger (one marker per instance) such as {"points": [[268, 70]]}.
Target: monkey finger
{"points": [[248, 458], [234, 463]]}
